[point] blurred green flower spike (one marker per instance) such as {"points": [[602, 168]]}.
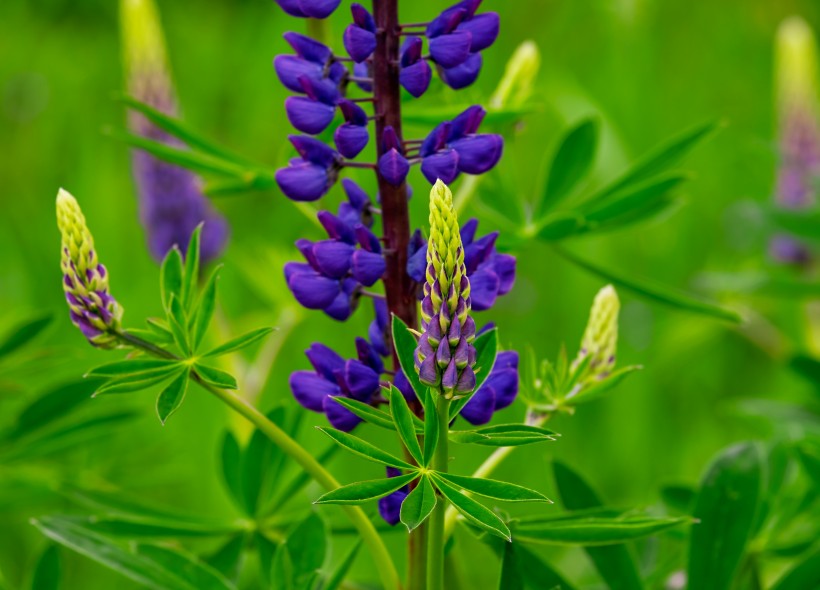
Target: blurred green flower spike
{"points": [[515, 87], [85, 280], [796, 67], [560, 386]]}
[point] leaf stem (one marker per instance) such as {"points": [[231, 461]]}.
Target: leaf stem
{"points": [[381, 556], [436, 529]]}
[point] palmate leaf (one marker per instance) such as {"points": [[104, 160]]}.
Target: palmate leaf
{"points": [[139, 382], [655, 292], [419, 504], [491, 488], [134, 526], [727, 507], [473, 511], [614, 563], [403, 419], [431, 435], [593, 390], [227, 559], [260, 466], [405, 344], [592, 530], [365, 491], [172, 396], [239, 342], [24, 333], [364, 449]]}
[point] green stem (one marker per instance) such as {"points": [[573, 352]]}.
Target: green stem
{"points": [[417, 558], [436, 538], [486, 469], [381, 556]]}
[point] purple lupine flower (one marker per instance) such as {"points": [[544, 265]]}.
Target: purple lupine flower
{"points": [[313, 60], [314, 112], [464, 74], [171, 200], [497, 392], [390, 505], [309, 177], [414, 73], [352, 136], [454, 147], [491, 273], [449, 47], [360, 37], [308, 8], [393, 165]]}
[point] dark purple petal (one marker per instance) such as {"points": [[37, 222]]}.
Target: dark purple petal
{"points": [[394, 167], [415, 78], [478, 153], [369, 355], [313, 290], [466, 381], [343, 305], [504, 383], [468, 232], [351, 139], [325, 360], [452, 49], [362, 17], [416, 265], [390, 507], [788, 250], [291, 7], [303, 181], [443, 165], [363, 70], [449, 379], [333, 257], [361, 381], [463, 74], [339, 416], [290, 69], [355, 195], [411, 51], [367, 239], [359, 43], [314, 150], [368, 267], [318, 8], [293, 268], [310, 390], [308, 48], [484, 286], [447, 21], [403, 385], [483, 28], [505, 269], [336, 228], [467, 122], [480, 408], [308, 115], [428, 371]]}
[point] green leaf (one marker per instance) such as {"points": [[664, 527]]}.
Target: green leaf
{"points": [[139, 382], [592, 531], [405, 344], [334, 582], [231, 456], [364, 491], [802, 224], [593, 389], [570, 164], [366, 412], [418, 504], [521, 568], [47, 571], [804, 575], [215, 377], [132, 527], [614, 563], [133, 367], [476, 513], [51, 406], [808, 451], [178, 323], [486, 349], [171, 276], [24, 333], [403, 419], [727, 506], [660, 159], [656, 292], [205, 310], [240, 342], [307, 547], [631, 199], [504, 435], [431, 435], [171, 397], [227, 559], [491, 488], [365, 449], [678, 498], [512, 574], [556, 226], [193, 572], [190, 278], [260, 465]]}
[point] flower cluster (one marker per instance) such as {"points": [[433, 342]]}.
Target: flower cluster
{"points": [[85, 281], [799, 131], [171, 201]]}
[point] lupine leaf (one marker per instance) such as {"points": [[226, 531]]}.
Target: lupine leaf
{"points": [[614, 563], [512, 575], [160, 329], [504, 435], [24, 333], [215, 377], [591, 530], [570, 164], [521, 566], [190, 277], [656, 292], [804, 575], [205, 309], [418, 504], [231, 456], [364, 491], [178, 323], [192, 571], [132, 367], [366, 412], [557, 226], [259, 465], [660, 159], [405, 344], [171, 397], [334, 582], [802, 224], [307, 546], [131, 383], [491, 488], [431, 435], [281, 570], [727, 506], [365, 449], [171, 276], [403, 419], [51, 406], [473, 511], [47, 571], [808, 452], [679, 498], [633, 198], [240, 342], [486, 348], [146, 527], [595, 389], [227, 559]]}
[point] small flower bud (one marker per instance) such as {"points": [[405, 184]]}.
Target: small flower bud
{"points": [[600, 340], [515, 87], [445, 355], [85, 280]]}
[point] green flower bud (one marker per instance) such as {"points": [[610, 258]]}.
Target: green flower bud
{"points": [[600, 340], [515, 87], [796, 67]]}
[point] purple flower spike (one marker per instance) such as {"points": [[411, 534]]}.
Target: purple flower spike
{"points": [[352, 136], [464, 74], [393, 165], [360, 37], [415, 73], [309, 178]]}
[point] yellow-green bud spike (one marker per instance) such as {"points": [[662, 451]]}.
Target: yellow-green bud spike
{"points": [[85, 280], [516, 85], [797, 63], [600, 341]]}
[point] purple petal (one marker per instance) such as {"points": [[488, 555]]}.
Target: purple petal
{"points": [[361, 381], [290, 69], [390, 507], [308, 48], [463, 74], [303, 181], [484, 286], [468, 231], [442, 165], [478, 153], [483, 28], [355, 194], [351, 139], [368, 355], [325, 360], [308, 115], [333, 257], [504, 382], [318, 8], [313, 290], [314, 150], [341, 307], [311, 390], [480, 408], [363, 70], [339, 416], [362, 17], [291, 7], [335, 227], [452, 49], [417, 264], [403, 385], [415, 78], [428, 371], [368, 267], [505, 269], [394, 167], [467, 122], [466, 381], [359, 43]]}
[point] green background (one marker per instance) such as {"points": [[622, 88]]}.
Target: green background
{"points": [[647, 69]]}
